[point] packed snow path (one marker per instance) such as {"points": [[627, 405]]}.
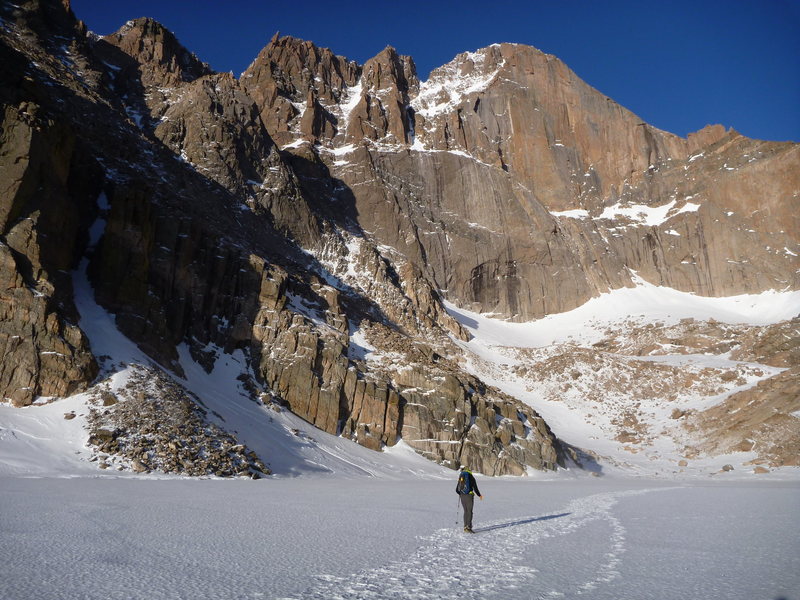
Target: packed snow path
{"points": [[452, 564]]}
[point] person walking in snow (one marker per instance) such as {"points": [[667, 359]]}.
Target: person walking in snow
{"points": [[467, 489]]}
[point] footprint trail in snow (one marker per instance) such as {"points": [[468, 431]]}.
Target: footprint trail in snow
{"points": [[450, 564]]}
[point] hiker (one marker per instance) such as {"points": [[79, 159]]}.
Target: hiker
{"points": [[467, 489]]}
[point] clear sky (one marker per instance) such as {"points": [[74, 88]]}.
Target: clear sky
{"points": [[678, 64]]}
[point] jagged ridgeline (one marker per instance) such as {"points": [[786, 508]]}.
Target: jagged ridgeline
{"points": [[315, 213]]}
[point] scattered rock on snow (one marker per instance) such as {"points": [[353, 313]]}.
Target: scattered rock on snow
{"points": [[154, 425]]}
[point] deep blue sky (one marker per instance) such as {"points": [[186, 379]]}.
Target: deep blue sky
{"points": [[678, 64]]}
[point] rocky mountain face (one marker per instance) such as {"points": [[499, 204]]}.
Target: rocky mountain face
{"points": [[315, 213], [523, 191]]}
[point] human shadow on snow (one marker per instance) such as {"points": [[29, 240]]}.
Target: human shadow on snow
{"points": [[520, 522]]}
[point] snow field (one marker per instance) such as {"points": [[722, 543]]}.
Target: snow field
{"points": [[360, 538], [641, 304], [452, 565], [38, 440]]}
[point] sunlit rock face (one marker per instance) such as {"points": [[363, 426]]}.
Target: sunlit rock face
{"points": [[519, 189]]}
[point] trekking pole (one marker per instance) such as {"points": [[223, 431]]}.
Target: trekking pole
{"points": [[458, 501]]}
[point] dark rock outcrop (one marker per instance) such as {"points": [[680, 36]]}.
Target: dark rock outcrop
{"points": [[46, 180]]}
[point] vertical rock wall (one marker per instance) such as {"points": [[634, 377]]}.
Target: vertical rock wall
{"points": [[44, 178]]}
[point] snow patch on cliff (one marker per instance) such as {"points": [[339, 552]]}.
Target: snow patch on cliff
{"points": [[650, 216], [645, 302], [448, 86]]}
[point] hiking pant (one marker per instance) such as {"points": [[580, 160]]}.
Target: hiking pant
{"points": [[467, 500]]}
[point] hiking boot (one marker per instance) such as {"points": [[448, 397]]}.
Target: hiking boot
{"points": [[468, 530]]}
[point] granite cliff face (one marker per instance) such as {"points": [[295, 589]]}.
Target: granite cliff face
{"points": [[314, 214], [523, 191]]}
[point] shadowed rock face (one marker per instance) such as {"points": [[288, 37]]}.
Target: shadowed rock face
{"points": [[315, 205], [47, 183]]}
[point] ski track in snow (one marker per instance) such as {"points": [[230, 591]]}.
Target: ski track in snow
{"points": [[452, 564]]}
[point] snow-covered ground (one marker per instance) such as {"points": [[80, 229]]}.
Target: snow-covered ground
{"points": [[356, 537], [643, 303]]}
